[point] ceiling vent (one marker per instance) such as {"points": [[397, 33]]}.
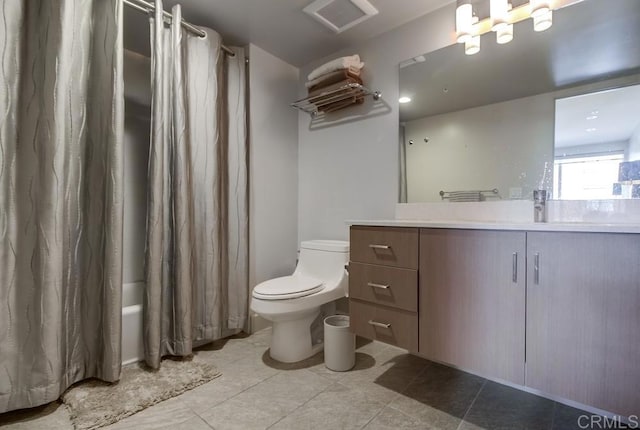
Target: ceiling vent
{"points": [[341, 15]]}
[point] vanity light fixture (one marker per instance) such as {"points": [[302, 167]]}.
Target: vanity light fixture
{"points": [[472, 45], [464, 20], [500, 21], [404, 99], [543, 21], [469, 28], [499, 14], [505, 35], [540, 7]]}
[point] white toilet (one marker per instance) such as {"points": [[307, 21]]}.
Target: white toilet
{"points": [[292, 303]]}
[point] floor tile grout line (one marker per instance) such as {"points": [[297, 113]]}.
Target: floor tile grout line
{"points": [[374, 417], [389, 405], [424, 368], [232, 397], [473, 402], [316, 395], [398, 394], [204, 421]]}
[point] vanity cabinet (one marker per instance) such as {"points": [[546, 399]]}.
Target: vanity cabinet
{"points": [[557, 312], [583, 318], [472, 300], [383, 284]]}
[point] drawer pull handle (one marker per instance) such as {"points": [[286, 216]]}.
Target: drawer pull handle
{"points": [[536, 268], [378, 324], [382, 287], [374, 246]]}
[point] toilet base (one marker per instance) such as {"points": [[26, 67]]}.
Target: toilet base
{"points": [[291, 339]]}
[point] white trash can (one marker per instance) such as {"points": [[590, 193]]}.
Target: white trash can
{"points": [[339, 343]]}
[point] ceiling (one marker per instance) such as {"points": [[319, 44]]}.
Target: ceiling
{"points": [[279, 26], [603, 117], [589, 41]]}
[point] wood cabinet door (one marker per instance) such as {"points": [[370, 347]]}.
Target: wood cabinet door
{"points": [[583, 318], [472, 300]]}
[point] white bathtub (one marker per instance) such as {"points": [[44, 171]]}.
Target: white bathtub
{"points": [[132, 346]]}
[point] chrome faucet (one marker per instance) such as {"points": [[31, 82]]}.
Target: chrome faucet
{"points": [[540, 205]]}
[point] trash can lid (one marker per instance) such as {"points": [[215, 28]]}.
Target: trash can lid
{"points": [[337, 321]]}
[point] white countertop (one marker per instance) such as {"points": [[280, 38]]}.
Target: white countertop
{"points": [[505, 225]]}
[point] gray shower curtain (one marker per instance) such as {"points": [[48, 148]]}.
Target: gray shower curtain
{"points": [[61, 199], [197, 221]]}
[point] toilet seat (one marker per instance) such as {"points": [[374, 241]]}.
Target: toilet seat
{"points": [[287, 287]]}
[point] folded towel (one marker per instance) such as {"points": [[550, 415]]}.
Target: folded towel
{"points": [[331, 77], [333, 87], [337, 64]]}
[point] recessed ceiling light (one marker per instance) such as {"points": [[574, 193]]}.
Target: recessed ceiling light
{"points": [[404, 100], [592, 117], [590, 130]]}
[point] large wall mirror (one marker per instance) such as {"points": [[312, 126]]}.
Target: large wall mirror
{"points": [[557, 110]]}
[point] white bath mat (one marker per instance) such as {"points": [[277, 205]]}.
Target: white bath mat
{"points": [[93, 404]]}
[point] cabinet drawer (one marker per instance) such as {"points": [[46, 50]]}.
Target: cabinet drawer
{"points": [[389, 286], [392, 326], [388, 246]]}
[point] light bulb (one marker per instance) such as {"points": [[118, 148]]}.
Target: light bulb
{"points": [[464, 22], [543, 22], [404, 99], [499, 14], [472, 45]]}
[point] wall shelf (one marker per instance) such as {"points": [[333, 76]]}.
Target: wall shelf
{"points": [[330, 101]]}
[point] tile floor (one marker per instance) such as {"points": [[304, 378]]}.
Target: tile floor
{"points": [[388, 389]]}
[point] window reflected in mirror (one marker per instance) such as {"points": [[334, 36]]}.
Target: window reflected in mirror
{"points": [[597, 145]]}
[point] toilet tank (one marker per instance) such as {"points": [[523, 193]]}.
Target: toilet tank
{"points": [[323, 259]]}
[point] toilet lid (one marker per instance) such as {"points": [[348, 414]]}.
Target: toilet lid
{"points": [[287, 287]]}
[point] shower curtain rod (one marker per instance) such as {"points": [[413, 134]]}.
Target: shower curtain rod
{"points": [[146, 7]]}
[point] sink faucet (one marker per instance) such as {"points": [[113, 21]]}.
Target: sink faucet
{"points": [[540, 205]]}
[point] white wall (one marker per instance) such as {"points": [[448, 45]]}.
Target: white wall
{"points": [[634, 145], [137, 78], [273, 229], [350, 170], [465, 152], [136, 157], [137, 126]]}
